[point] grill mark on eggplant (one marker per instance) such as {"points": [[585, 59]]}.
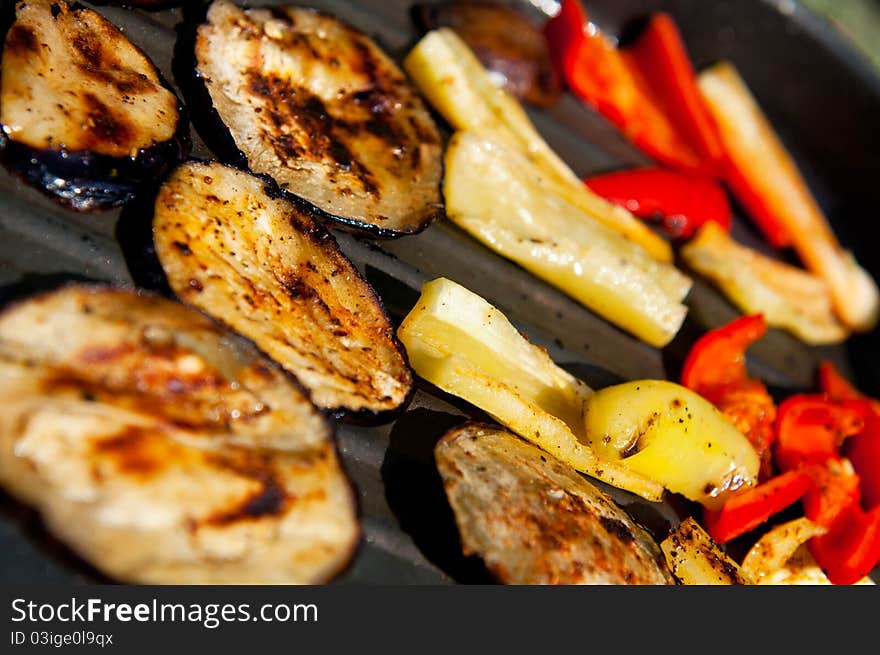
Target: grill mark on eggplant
{"points": [[316, 138], [136, 451], [279, 278], [141, 494], [86, 116], [316, 105]]}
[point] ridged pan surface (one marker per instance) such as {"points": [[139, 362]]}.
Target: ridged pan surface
{"points": [[822, 96]]}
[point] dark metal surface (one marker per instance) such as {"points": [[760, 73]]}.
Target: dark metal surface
{"points": [[820, 94]]}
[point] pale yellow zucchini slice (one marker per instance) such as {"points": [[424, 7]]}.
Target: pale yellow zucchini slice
{"points": [[496, 194], [465, 346], [454, 81]]}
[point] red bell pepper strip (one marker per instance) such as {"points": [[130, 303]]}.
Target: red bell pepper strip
{"points": [[681, 202], [716, 369], [597, 71], [748, 509], [862, 449], [718, 358], [851, 547], [661, 56], [810, 428]]}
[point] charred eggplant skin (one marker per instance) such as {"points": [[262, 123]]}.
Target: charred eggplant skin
{"points": [[344, 133], [86, 182], [82, 179]]}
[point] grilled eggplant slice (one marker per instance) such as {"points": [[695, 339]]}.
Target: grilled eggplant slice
{"points": [[505, 40], [163, 449], [85, 115], [319, 107], [535, 520], [262, 266]]}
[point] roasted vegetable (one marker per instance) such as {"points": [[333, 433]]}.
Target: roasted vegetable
{"points": [[679, 202], [767, 180], [747, 509], [322, 109], [534, 520], [811, 429], [494, 192], [766, 562], [715, 367], [85, 116], [781, 556], [507, 43], [789, 297], [262, 266], [648, 89], [861, 449], [452, 79], [695, 559], [670, 434], [164, 450], [462, 344]]}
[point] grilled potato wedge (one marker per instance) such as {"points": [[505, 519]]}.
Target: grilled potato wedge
{"points": [[695, 559], [670, 434], [535, 520], [266, 269], [85, 116], [318, 106], [163, 449], [789, 297]]}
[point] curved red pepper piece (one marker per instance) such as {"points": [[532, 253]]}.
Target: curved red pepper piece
{"points": [[851, 547], [810, 428], [718, 358], [748, 509], [716, 369], [680, 201], [862, 449], [812, 432]]}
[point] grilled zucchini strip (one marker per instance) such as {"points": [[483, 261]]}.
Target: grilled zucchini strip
{"points": [[493, 192], [457, 85], [789, 297]]}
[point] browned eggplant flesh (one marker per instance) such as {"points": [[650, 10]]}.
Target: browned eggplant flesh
{"points": [[535, 520], [507, 42], [86, 117], [162, 448], [322, 109], [260, 264]]}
